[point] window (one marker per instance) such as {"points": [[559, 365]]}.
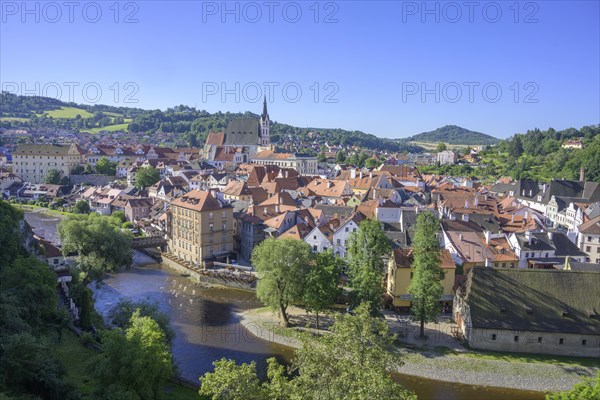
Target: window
{"points": [[589, 239], [315, 247], [588, 249], [493, 336], [561, 341], [516, 339], [347, 229], [223, 214], [583, 342], [211, 227], [315, 237], [210, 216], [539, 339]]}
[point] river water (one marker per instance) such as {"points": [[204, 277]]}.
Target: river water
{"points": [[207, 327]]}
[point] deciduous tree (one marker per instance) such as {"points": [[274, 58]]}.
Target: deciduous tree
{"points": [[426, 287], [321, 287], [366, 249], [282, 266]]}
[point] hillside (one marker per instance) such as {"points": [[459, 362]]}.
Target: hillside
{"points": [[187, 123], [453, 134]]}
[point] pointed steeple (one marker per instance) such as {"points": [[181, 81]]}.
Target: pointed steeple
{"points": [[265, 115]]}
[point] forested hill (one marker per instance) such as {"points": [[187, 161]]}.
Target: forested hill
{"points": [[193, 125], [453, 134]]}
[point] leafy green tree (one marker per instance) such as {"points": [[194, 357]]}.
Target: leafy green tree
{"points": [[81, 207], [352, 363], [120, 315], [99, 242], [322, 157], [77, 169], [426, 287], [53, 177], [89, 169], [146, 176], [106, 167], [588, 388], [232, 382], [64, 181], [516, 147], [340, 157], [441, 147], [136, 362], [282, 266], [366, 249], [321, 287], [372, 163], [120, 215]]}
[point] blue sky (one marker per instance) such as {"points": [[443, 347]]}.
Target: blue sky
{"points": [[390, 68]]}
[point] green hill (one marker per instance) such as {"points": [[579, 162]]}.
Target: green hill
{"points": [[453, 134]]}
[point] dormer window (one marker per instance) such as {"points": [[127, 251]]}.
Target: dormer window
{"points": [[528, 310]]}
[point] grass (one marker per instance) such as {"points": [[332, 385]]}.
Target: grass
{"points": [[75, 358], [16, 119], [68, 112], [28, 207], [534, 358], [109, 128]]}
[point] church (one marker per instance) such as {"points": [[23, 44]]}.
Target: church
{"points": [[241, 141]]}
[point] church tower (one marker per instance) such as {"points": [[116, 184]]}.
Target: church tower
{"points": [[265, 123]]}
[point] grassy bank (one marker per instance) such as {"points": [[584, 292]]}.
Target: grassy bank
{"points": [[75, 358]]}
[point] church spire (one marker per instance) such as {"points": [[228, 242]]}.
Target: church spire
{"points": [[264, 113]]}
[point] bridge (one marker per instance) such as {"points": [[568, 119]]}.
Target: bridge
{"points": [[146, 242]]}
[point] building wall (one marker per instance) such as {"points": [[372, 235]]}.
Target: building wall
{"points": [[34, 168], [590, 244], [527, 342], [196, 235]]}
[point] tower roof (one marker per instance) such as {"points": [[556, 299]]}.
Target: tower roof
{"points": [[264, 115]]}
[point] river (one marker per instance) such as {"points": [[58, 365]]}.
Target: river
{"points": [[207, 327]]}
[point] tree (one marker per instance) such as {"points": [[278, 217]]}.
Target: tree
{"points": [[588, 388], [89, 169], [441, 147], [232, 382], [372, 163], [99, 242], [136, 362], [425, 287], [321, 287], [281, 266], [81, 207], [106, 167], [352, 363], [120, 315], [146, 176], [366, 249], [516, 147], [53, 177], [64, 181], [340, 157], [77, 170], [322, 157]]}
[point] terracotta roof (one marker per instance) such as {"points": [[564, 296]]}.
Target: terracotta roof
{"points": [[592, 227], [197, 200]]}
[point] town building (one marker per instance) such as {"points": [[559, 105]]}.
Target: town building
{"points": [[32, 162], [530, 311], [589, 239], [201, 228]]}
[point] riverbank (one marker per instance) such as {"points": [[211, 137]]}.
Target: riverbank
{"points": [[440, 364]]}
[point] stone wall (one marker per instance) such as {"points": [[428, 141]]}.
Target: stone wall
{"points": [[529, 342]]}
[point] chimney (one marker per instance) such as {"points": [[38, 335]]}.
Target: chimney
{"points": [[487, 262], [460, 237], [476, 201], [371, 175], [582, 174], [465, 217], [353, 173], [512, 218], [528, 236], [416, 209], [549, 235], [329, 184], [526, 215], [277, 208], [530, 193], [487, 235], [361, 174]]}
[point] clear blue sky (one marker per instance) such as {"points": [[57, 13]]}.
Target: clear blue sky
{"points": [[376, 56]]}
